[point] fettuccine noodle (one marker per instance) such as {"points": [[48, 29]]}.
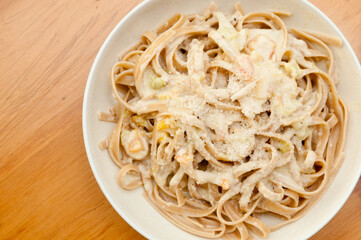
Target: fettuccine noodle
{"points": [[227, 120]]}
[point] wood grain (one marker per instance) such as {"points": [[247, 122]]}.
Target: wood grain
{"points": [[47, 188]]}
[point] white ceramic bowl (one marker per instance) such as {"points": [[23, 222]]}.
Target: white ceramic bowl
{"points": [[98, 97]]}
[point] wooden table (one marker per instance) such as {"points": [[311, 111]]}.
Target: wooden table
{"points": [[47, 189]]}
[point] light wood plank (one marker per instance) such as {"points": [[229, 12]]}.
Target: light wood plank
{"points": [[47, 188]]}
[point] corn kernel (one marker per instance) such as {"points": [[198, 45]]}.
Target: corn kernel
{"points": [[293, 69], [165, 124], [284, 147], [225, 184], [140, 121], [162, 137], [157, 83], [184, 159], [125, 113], [135, 145]]}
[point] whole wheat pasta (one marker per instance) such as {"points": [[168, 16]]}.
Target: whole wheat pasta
{"points": [[226, 118]]}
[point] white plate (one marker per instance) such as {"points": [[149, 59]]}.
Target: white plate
{"points": [[98, 97]]}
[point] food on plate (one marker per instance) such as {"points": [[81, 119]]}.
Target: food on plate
{"points": [[228, 121]]}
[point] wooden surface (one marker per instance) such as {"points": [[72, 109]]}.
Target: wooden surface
{"points": [[47, 189]]}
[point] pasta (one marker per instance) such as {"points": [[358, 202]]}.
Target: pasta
{"points": [[229, 122]]}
